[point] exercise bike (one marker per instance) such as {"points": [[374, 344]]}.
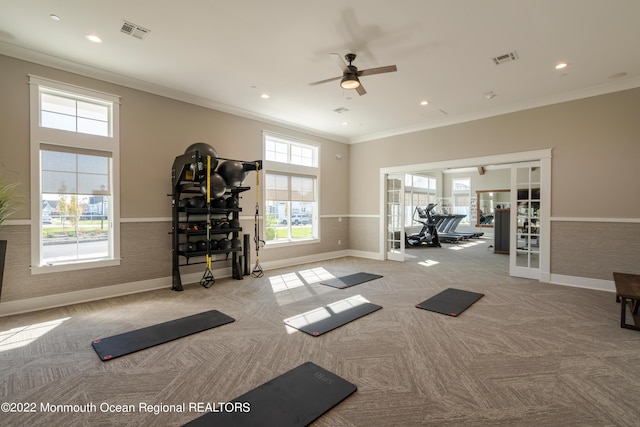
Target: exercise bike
{"points": [[428, 235]]}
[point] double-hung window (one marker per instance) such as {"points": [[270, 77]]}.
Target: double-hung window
{"points": [[291, 190], [74, 177]]}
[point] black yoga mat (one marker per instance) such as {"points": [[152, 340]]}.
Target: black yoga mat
{"points": [[350, 280], [296, 398], [451, 301], [139, 339], [321, 320]]}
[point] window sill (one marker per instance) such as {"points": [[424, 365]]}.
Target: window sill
{"points": [[73, 266], [280, 244]]}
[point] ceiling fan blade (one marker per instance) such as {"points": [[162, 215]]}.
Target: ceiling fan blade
{"points": [[379, 70], [338, 59], [325, 81], [360, 90]]}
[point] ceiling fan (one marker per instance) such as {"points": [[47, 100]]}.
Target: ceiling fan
{"points": [[349, 78]]}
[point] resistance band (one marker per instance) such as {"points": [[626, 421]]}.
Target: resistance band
{"points": [[257, 269], [207, 278]]}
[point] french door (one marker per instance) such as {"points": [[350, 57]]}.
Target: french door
{"points": [[526, 227], [394, 217]]}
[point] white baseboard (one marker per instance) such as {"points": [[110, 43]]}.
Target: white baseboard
{"points": [[368, 255], [69, 298], [76, 297], [583, 282], [272, 265]]}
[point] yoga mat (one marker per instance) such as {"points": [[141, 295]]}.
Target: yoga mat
{"points": [[350, 280], [139, 339], [324, 319], [451, 301], [296, 398]]}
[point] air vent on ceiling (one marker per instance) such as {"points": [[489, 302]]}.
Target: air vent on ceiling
{"points": [[341, 110], [507, 57], [134, 30]]}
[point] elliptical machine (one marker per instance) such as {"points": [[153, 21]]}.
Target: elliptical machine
{"points": [[428, 235]]}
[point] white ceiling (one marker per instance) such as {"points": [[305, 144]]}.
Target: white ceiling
{"points": [[225, 54]]}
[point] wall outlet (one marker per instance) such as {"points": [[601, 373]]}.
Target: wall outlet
{"points": [[339, 242]]}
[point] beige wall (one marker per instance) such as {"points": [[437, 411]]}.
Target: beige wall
{"points": [[596, 147], [153, 131], [595, 151], [595, 144]]}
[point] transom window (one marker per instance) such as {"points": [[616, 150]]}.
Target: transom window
{"points": [[283, 151], [59, 110]]}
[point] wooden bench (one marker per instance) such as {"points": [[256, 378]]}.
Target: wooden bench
{"points": [[628, 288]]}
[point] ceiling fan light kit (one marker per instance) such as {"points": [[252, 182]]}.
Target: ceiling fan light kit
{"points": [[350, 81], [350, 73]]}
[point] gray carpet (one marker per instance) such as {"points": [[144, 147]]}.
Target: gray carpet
{"points": [[526, 354]]}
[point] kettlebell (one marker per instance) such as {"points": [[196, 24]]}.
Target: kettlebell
{"points": [[224, 244], [235, 243]]}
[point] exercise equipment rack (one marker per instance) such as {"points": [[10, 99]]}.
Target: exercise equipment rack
{"points": [[200, 222]]}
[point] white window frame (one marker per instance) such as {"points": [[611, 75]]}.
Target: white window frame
{"points": [[411, 191], [290, 169], [466, 220], [80, 141]]}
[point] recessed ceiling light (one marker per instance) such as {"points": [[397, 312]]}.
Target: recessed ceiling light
{"points": [[93, 38], [54, 17], [561, 65], [264, 96], [345, 123], [424, 102]]}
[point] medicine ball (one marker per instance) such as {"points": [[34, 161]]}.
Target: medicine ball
{"points": [[204, 149], [218, 203], [232, 202], [197, 202], [201, 245], [234, 223], [217, 186], [236, 243], [188, 247], [224, 244], [213, 245], [233, 173]]}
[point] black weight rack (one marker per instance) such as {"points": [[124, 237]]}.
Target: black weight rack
{"points": [[198, 220]]}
